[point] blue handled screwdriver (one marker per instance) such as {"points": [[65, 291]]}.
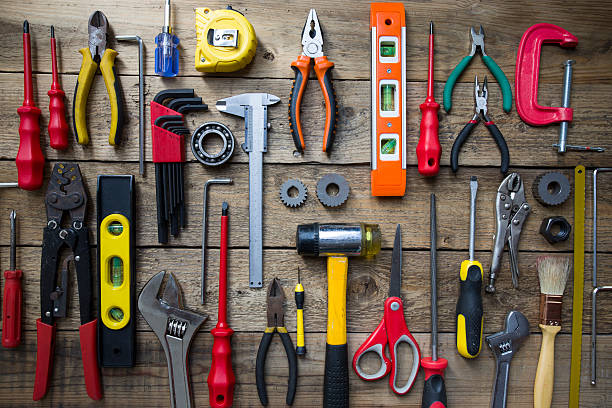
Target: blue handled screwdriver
{"points": [[167, 53]]}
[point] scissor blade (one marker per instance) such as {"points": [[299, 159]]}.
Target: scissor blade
{"points": [[396, 264]]}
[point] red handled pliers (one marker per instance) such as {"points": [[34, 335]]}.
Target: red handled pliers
{"points": [[312, 47], [391, 331]]}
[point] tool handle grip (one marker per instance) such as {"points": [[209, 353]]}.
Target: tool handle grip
{"points": [[260, 365], [434, 389], [323, 69], [428, 149], [545, 372], [336, 384], [463, 135], [221, 378], [107, 67], [469, 310], [301, 67], [45, 343], [81, 92], [58, 127], [30, 161], [89, 355], [450, 82], [500, 387], [300, 348], [502, 80], [11, 309], [501, 143]]}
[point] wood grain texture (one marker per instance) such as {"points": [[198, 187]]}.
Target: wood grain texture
{"points": [[347, 44]]}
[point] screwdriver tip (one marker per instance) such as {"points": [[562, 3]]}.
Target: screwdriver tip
{"points": [[431, 27], [474, 178], [224, 207], [13, 215], [26, 27], [52, 32]]}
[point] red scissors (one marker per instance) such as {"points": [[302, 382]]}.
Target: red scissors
{"points": [[391, 331]]}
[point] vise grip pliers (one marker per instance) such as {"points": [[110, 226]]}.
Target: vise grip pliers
{"points": [[511, 209]]}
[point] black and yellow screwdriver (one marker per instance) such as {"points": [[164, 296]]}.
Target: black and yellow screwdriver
{"points": [[469, 306], [300, 349]]}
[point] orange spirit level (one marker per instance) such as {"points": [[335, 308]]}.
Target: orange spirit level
{"points": [[388, 28]]}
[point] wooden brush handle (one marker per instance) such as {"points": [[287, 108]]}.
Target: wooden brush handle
{"points": [[545, 373]]}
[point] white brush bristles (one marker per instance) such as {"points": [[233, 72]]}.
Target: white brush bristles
{"points": [[553, 272]]}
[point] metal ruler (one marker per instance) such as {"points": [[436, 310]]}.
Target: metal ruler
{"points": [[577, 299]]}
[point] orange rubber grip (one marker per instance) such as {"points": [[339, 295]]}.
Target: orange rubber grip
{"points": [[323, 70], [301, 66]]}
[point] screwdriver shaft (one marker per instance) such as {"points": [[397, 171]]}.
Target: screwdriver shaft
{"points": [[473, 192], [13, 241], [433, 252]]}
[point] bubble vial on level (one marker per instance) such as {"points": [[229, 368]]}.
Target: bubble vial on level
{"points": [[387, 49], [116, 271], [388, 146], [387, 98], [115, 228], [116, 314]]}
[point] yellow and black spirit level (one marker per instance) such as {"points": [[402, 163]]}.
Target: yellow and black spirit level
{"points": [[117, 323], [388, 29]]}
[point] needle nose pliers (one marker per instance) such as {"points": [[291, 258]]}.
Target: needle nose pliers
{"points": [[481, 113], [97, 55], [312, 47], [276, 323], [478, 43]]}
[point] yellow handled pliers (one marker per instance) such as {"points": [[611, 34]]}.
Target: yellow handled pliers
{"points": [[97, 55]]}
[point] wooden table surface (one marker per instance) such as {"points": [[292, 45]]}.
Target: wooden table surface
{"points": [[347, 44]]}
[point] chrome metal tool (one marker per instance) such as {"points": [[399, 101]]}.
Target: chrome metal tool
{"points": [[175, 328], [253, 107]]}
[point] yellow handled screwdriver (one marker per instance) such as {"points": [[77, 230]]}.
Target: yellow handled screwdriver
{"points": [[469, 306], [300, 349]]}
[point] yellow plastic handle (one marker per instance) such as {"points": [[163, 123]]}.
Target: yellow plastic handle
{"points": [[84, 80], [337, 269], [107, 67], [300, 327], [545, 373]]}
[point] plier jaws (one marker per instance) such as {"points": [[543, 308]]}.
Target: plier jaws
{"points": [[477, 41], [97, 29], [312, 39], [511, 210], [481, 98]]}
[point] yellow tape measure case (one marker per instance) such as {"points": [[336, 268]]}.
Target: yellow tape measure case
{"points": [[226, 40]]}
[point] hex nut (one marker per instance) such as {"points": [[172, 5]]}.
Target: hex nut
{"points": [[546, 229]]}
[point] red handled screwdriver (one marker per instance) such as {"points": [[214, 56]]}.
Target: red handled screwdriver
{"points": [[221, 379], [434, 390], [13, 295], [428, 150], [30, 160], [58, 128]]}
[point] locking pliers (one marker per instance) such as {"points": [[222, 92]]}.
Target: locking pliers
{"points": [[511, 210]]}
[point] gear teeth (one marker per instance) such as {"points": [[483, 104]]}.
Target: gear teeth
{"points": [[561, 188], [299, 199], [332, 200]]}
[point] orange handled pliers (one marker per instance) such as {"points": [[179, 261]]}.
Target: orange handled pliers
{"points": [[312, 47]]}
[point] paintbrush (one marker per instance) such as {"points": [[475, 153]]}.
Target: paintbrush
{"points": [[553, 272]]}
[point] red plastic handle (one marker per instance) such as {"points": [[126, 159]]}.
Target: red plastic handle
{"points": [[58, 128], [11, 309], [221, 379], [429, 150], [89, 355], [45, 343], [30, 160]]}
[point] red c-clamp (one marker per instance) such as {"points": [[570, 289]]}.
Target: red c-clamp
{"points": [[528, 72]]}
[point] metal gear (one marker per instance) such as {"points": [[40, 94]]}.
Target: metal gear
{"points": [[551, 188], [299, 199], [332, 200]]}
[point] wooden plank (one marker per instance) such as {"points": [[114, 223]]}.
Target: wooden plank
{"points": [[411, 211], [468, 383], [352, 144], [346, 35], [368, 285]]}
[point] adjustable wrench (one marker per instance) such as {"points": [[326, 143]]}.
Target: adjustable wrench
{"points": [[504, 344], [253, 107], [175, 328]]}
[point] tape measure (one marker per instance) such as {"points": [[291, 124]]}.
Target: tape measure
{"points": [[226, 40]]}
